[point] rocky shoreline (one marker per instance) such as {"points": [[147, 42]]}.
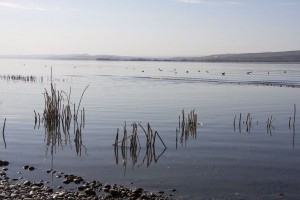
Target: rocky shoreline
{"points": [[89, 190]]}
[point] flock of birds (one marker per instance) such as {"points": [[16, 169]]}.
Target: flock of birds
{"points": [[223, 73]]}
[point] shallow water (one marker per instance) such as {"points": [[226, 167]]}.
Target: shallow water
{"points": [[220, 163]]}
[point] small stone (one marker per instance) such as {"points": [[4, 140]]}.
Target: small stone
{"points": [[2, 174], [152, 195], [40, 184], [77, 181], [31, 168], [114, 193], [3, 163], [172, 190], [144, 196], [27, 183], [50, 190], [137, 190], [25, 167], [4, 169], [14, 195], [66, 181], [90, 192], [81, 188]]}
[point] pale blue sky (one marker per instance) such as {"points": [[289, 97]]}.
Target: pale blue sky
{"points": [[148, 27]]}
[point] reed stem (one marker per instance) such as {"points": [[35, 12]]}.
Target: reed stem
{"points": [[3, 133]]}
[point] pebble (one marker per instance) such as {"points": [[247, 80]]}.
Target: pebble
{"points": [[31, 168], [66, 181], [29, 190], [25, 167], [114, 192], [27, 183], [90, 192], [3, 163]]}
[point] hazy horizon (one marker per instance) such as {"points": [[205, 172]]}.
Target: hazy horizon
{"points": [[156, 28]]}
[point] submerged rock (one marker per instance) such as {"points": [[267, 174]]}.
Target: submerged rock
{"points": [[3, 163]]}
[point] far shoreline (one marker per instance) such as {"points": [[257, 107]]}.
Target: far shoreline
{"points": [[174, 61], [263, 57]]}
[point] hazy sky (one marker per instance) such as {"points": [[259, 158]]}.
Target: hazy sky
{"points": [[148, 27]]}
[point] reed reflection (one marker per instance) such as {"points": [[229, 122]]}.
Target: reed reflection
{"points": [[3, 136], [57, 119], [269, 124], [187, 127], [131, 145]]}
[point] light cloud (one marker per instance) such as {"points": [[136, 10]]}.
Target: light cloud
{"points": [[21, 6], [289, 3], [211, 2], [191, 1], [233, 2]]}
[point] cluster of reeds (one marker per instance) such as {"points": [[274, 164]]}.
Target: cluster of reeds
{"points": [[248, 123], [30, 78], [3, 136], [134, 145], [57, 118], [269, 122], [187, 127]]}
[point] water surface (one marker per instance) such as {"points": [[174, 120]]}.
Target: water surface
{"points": [[220, 163]]}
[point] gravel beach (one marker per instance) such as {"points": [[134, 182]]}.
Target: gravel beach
{"points": [[28, 190]]}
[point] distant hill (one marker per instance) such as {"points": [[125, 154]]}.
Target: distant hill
{"points": [[284, 56]]}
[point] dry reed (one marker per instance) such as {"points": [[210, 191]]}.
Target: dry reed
{"points": [[57, 118], [188, 127]]}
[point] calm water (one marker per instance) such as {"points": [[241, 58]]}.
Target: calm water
{"points": [[220, 163]]}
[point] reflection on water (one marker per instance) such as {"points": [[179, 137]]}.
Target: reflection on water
{"points": [[269, 124], [248, 123], [135, 147], [188, 127], [245, 161], [293, 125], [57, 118], [30, 78], [3, 136], [270, 127]]}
